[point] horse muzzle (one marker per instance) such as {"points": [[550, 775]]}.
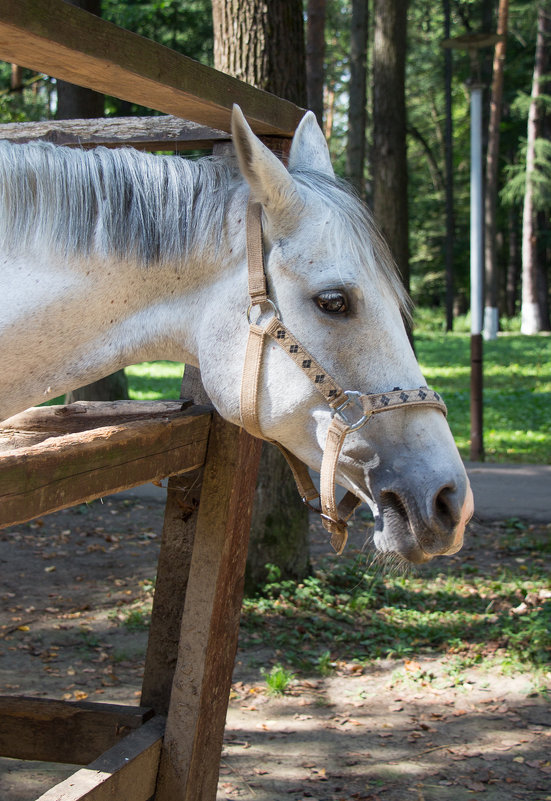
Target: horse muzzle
{"points": [[420, 532]]}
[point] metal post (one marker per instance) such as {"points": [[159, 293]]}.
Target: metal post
{"points": [[477, 275]]}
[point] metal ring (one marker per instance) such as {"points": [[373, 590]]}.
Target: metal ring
{"points": [[352, 396], [267, 300]]}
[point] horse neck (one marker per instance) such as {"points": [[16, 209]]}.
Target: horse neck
{"points": [[77, 318]]}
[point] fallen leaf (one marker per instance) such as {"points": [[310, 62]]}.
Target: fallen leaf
{"points": [[476, 786]]}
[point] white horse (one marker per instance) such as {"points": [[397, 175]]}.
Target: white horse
{"points": [[112, 257]]}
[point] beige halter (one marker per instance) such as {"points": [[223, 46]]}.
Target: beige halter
{"points": [[334, 517]]}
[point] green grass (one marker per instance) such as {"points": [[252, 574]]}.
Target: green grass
{"points": [[517, 392], [155, 380], [278, 679], [345, 612]]}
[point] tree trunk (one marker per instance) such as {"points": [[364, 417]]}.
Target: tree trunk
{"points": [[390, 203], [77, 102], [263, 43], [531, 313], [315, 53], [357, 115], [112, 387], [542, 280], [512, 263], [448, 148], [16, 79], [491, 315]]}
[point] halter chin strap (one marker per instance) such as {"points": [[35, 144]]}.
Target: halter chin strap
{"points": [[334, 516]]}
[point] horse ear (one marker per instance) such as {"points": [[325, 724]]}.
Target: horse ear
{"points": [[268, 179], [309, 148]]}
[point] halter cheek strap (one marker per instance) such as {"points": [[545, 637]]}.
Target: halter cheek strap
{"points": [[334, 516]]}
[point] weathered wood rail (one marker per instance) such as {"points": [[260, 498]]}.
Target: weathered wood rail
{"points": [[67, 42], [58, 456], [143, 133]]}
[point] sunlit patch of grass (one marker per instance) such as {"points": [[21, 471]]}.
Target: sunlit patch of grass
{"points": [[155, 380], [517, 392]]}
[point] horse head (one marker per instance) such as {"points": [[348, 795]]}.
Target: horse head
{"points": [[332, 282]]}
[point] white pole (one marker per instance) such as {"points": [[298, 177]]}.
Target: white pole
{"points": [[477, 214]]}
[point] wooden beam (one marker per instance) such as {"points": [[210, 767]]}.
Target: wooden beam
{"points": [[143, 133], [75, 732], [210, 624], [75, 468], [180, 522], [64, 41], [127, 772], [41, 422]]}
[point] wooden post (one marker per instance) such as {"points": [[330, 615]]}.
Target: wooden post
{"points": [[477, 395], [208, 639], [180, 521]]}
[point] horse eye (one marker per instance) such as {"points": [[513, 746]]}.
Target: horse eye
{"points": [[332, 302]]}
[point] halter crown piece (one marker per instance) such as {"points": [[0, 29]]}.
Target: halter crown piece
{"points": [[334, 516]]}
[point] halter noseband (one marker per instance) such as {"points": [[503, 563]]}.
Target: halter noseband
{"points": [[334, 516]]}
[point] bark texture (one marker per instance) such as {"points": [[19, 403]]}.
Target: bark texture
{"points": [[531, 313], [315, 53], [77, 102], [448, 146], [492, 172], [390, 203], [263, 44], [357, 116]]}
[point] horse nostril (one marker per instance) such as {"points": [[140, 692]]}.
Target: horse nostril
{"points": [[447, 508]]}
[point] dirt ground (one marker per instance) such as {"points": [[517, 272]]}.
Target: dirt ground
{"points": [[72, 597]]}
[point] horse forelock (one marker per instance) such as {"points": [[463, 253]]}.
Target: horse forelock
{"points": [[112, 203], [355, 231]]}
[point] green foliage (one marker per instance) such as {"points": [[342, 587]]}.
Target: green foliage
{"points": [[517, 392], [347, 612], [540, 178], [30, 103], [136, 620], [278, 679], [182, 25], [155, 380]]}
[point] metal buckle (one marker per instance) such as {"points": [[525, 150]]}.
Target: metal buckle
{"points": [[267, 300], [352, 397]]}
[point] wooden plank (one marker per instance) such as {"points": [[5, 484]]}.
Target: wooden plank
{"points": [[41, 422], [180, 521], [126, 772], [64, 471], [75, 732], [208, 642], [64, 41], [144, 133]]}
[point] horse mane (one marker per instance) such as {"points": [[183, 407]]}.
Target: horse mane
{"points": [[152, 209], [110, 202]]}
